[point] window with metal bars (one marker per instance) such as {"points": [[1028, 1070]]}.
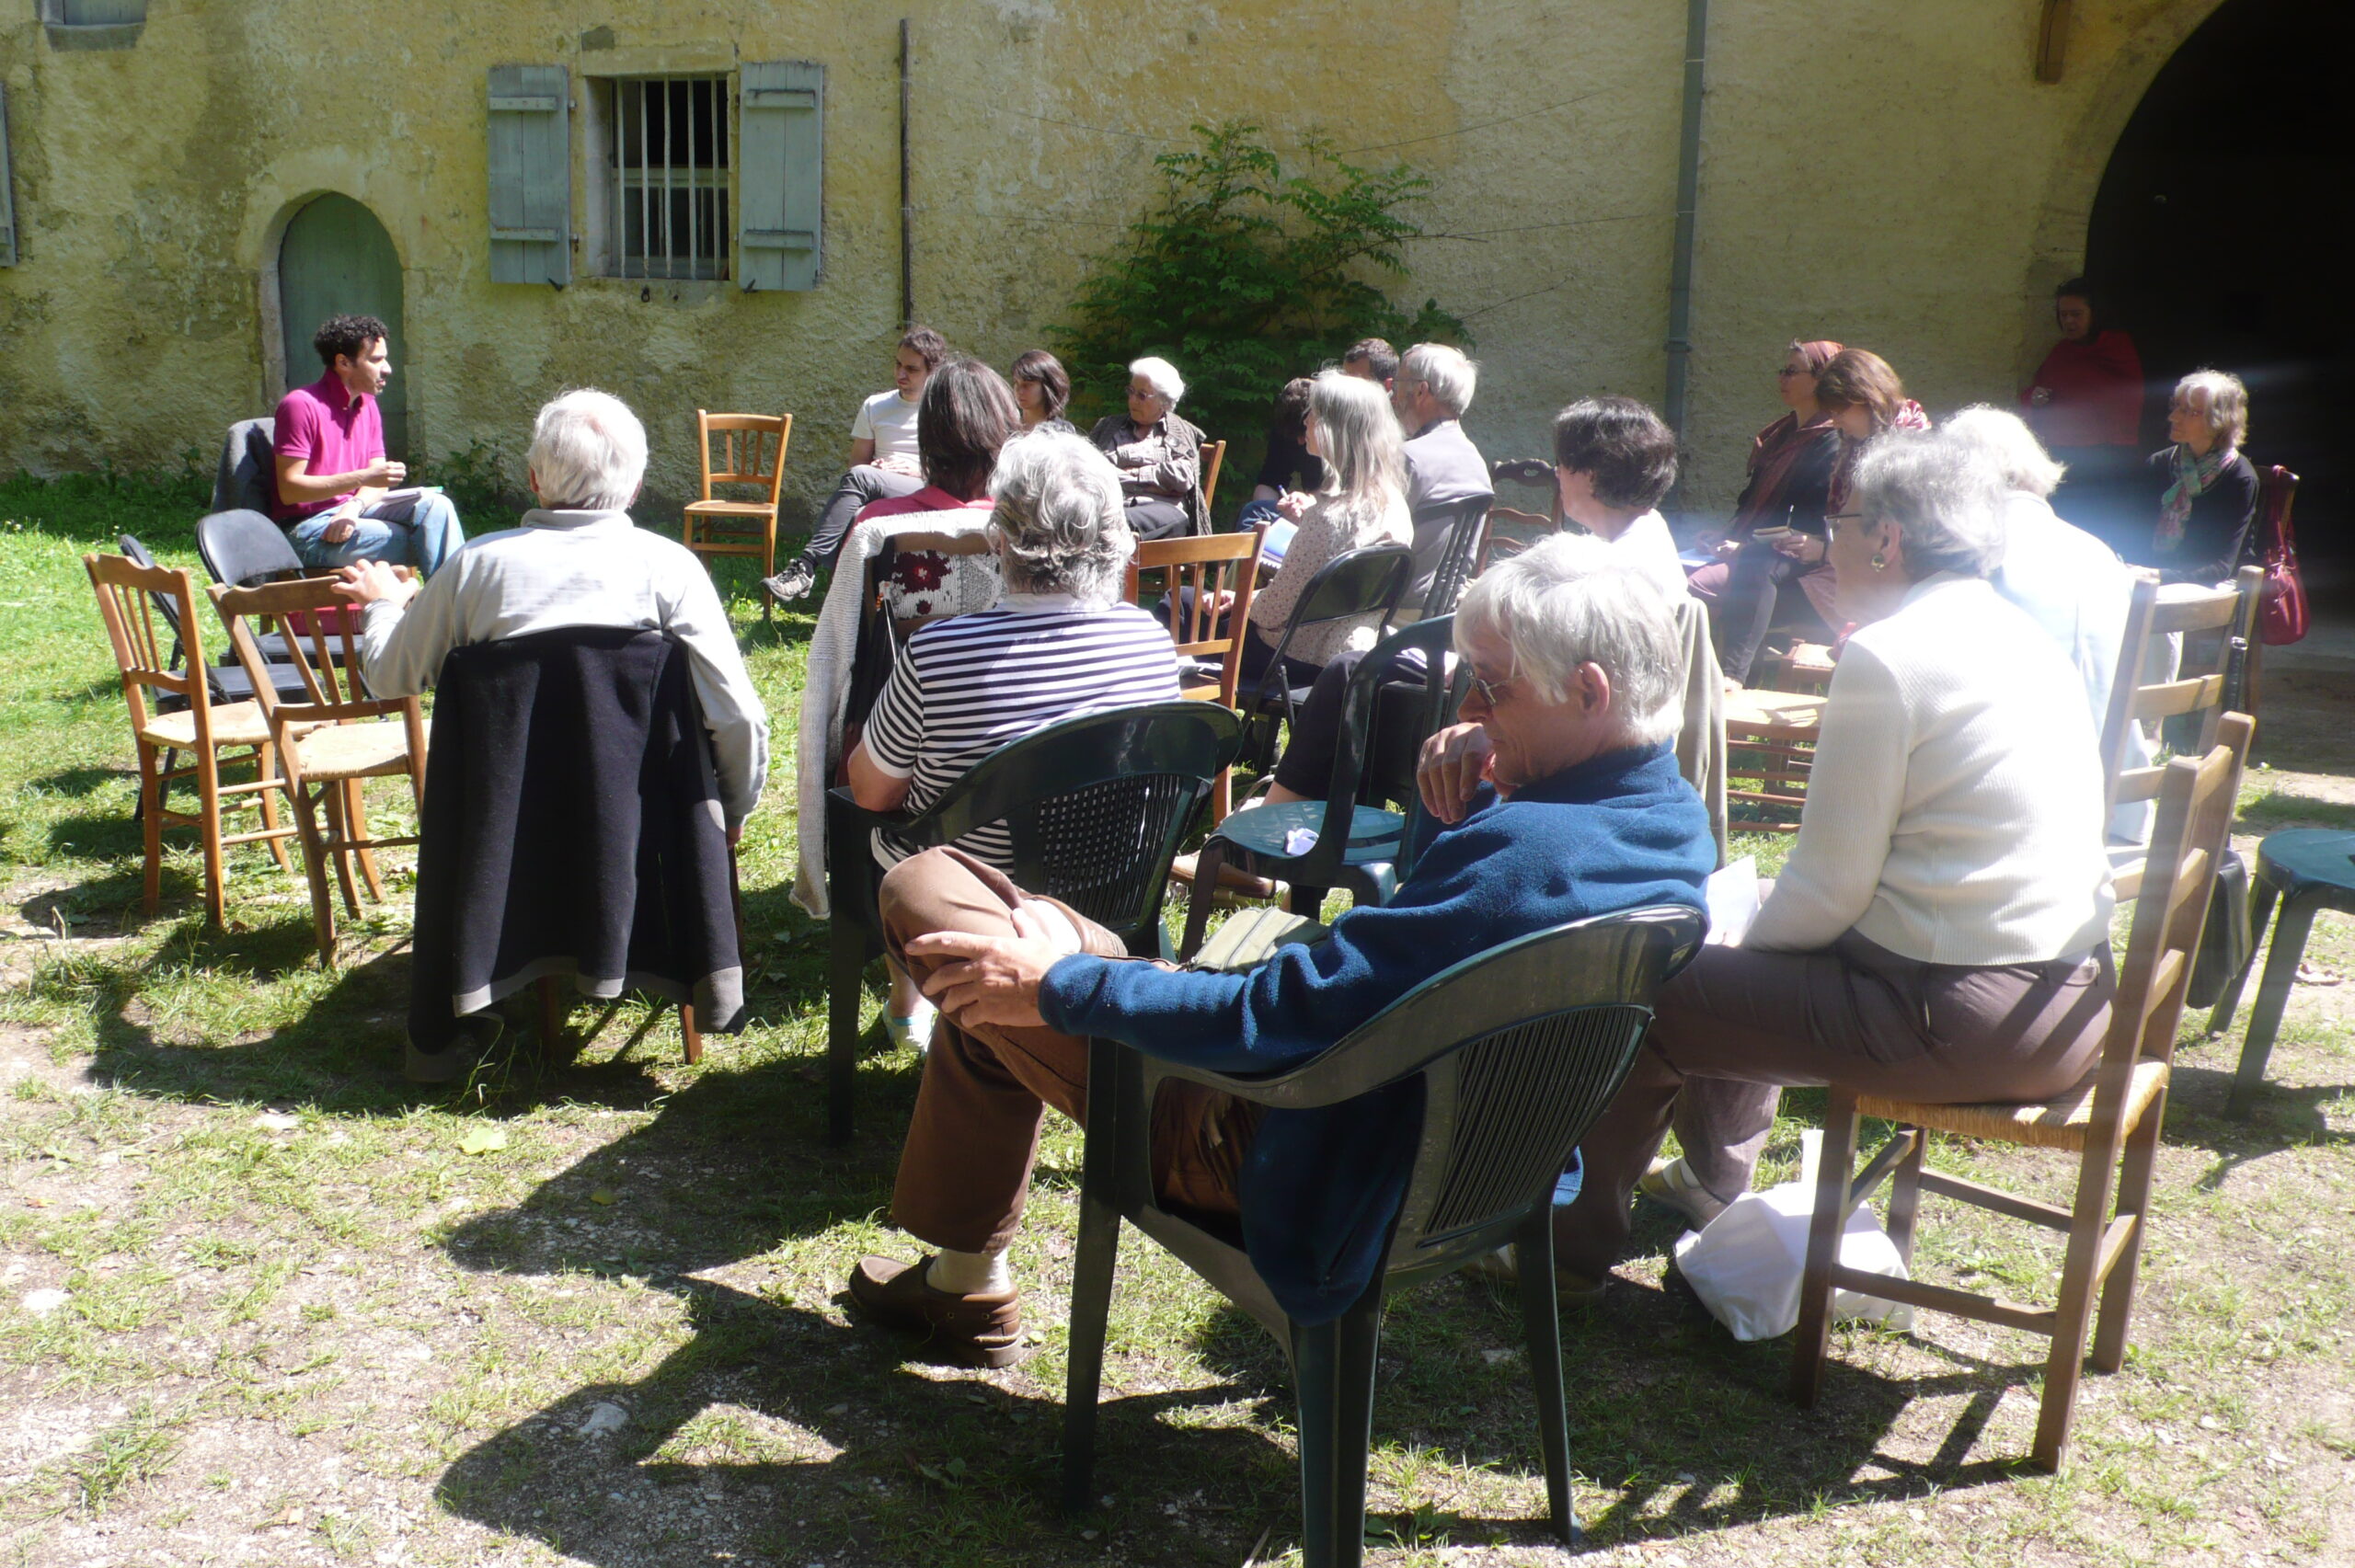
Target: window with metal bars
{"points": [[664, 201]]}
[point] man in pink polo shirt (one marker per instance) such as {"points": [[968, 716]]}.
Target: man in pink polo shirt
{"points": [[332, 471]]}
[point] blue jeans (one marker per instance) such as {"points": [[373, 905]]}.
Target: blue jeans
{"points": [[420, 533]]}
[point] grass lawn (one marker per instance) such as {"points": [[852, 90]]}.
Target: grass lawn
{"points": [[261, 1301]]}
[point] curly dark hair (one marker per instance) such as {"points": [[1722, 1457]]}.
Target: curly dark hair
{"points": [[1379, 357], [347, 335], [1291, 419], [928, 343]]}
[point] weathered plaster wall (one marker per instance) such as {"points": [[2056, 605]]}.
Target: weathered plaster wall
{"points": [[1891, 176]]}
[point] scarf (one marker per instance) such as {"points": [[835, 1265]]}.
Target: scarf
{"points": [[2192, 475], [1909, 416]]}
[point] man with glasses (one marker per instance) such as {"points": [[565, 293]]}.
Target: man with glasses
{"points": [[1562, 801]]}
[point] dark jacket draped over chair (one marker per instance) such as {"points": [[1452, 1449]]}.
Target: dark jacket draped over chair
{"points": [[572, 825]]}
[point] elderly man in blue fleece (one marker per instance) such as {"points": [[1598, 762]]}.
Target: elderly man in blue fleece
{"points": [[1563, 801]]}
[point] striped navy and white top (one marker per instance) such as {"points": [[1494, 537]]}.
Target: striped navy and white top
{"points": [[967, 685]]}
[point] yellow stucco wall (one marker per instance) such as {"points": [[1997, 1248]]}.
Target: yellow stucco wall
{"points": [[1888, 175]]}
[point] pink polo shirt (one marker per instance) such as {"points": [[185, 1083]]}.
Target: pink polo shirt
{"points": [[337, 432]]}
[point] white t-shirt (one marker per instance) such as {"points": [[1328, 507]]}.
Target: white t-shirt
{"points": [[889, 422], [1646, 545]]}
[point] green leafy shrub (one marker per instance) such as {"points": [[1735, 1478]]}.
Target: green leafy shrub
{"points": [[1243, 276], [476, 481]]}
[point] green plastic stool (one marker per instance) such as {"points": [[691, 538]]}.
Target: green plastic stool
{"points": [[2308, 869]]}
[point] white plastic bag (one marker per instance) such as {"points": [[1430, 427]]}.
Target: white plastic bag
{"points": [[1746, 1266]]}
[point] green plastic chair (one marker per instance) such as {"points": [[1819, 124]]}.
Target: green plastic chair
{"points": [[2307, 870], [1355, 582], [1096, 806], [1361, 845], [1520, 1049]]}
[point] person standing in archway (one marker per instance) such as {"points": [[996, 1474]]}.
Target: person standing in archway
{"points": [[2086, 405], [336, 495]]}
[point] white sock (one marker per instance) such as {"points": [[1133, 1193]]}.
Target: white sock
{"points": [[969, 1273]]}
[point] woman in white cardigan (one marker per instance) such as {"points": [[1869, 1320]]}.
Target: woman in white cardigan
{"points": [[1940, 931]]}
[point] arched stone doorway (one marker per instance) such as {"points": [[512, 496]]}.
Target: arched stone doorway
{"points": [[2214, 235], [337, 260]]}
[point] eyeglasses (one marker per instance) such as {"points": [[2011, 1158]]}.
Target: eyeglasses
{"points": [[1831, 520], [1490, 693], [1795, 370]]}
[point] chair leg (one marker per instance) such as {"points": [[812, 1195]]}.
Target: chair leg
{"points": [[1335, 1363], [315, 868], [842, 995], [551, 1014], [691, 1036], [266, 769], [337, 805], [1542, 1326], [2290, 933], [208, 796], [2261, 896], [2115, 1312], [2064, 1364], [1309, 901], [151, 826], [1091, 1309], [1200, 896], [1905, 1197], [355, 811], [1812, 1343]]}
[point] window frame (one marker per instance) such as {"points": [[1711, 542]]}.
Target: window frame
{"points": [[606, 187]]}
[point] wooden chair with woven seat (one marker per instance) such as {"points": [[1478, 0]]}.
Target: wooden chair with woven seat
{"points": [[332, 742], [2218, 628], [751, 453], [1214, 458], [132, 599], [2111, 1121], [1771, 736], [1511, 530], [1191, 573]]}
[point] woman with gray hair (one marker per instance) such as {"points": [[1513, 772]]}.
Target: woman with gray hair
{"points": [[1159, 455], [1941, 929], [2205, 490], [1059, 644]]}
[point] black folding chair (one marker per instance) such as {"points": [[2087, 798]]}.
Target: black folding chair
{"points": [[1467, 532], [1520, 1049], [1356, 582], [1096, 806]]}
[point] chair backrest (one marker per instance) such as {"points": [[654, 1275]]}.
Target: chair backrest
{"points": [[1214, 458], [244, 548], [1355, 582], [1466, 543], [1359, 739], [2207, 688], [326, 654], [1096, 805], [129, 595], [1511, 530], [888, 612], [246, 476], [1191, 571], [2197, 795], [752, 450], [138, 555]]}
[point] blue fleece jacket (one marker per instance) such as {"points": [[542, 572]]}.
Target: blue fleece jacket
{"points": [[1320, 1187]]}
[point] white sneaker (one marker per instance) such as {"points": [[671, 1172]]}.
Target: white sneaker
{"points": [[912, 1031], [793, 582]]}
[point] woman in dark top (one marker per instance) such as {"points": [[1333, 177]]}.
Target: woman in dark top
{"points": [[1790, 470], [2206, 490], [1290, 467]]}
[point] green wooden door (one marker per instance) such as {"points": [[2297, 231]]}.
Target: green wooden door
{"points": [[338, 260]]}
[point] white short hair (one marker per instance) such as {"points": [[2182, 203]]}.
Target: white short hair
{"points": [[2003, 439], [1444, 372], [1059, 520], [1162, 376], [588, 452], [1572, 599], [1944, 497], [2224, 399]]}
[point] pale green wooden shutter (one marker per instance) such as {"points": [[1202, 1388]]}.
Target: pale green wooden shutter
{"points": [[780, 174], [530, 175], [7, 191]]}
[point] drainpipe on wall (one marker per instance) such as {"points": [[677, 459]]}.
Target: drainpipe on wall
{"points": [[907, 205], [1688, 200]]}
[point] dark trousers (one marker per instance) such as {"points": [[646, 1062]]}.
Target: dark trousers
{"points": [[1150, 517], [863, 484], [1306, 766], [1741, 595], [1737, 1027], [965, 1169]]}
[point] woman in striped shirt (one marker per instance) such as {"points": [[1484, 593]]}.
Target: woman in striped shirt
{"points": [[1059, 644]]}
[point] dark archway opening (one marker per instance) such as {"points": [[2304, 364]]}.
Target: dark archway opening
{"points": [[2214, 237]]}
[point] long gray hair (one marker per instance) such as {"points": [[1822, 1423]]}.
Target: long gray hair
{"points": [[1060, 525], [1364, 452]]}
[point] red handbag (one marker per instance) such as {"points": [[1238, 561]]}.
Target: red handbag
{"points": [[2282, 607]]}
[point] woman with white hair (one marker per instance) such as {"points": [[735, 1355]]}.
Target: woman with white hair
{"points": [[1158, 454], [2207, 490], [1059, 644], [1941, 929], [1362, 501]]}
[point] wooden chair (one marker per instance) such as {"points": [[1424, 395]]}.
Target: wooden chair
{"points": [[751, 453], [1774, 734], [1511, 530], [1192, 572], [331, 742], [2207, 681], [1213, 457], [2110, 1121], [131, 599]]}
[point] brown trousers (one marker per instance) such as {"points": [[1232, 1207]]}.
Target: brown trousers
{"points": [[1736, 1026], [965, 1169]]}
